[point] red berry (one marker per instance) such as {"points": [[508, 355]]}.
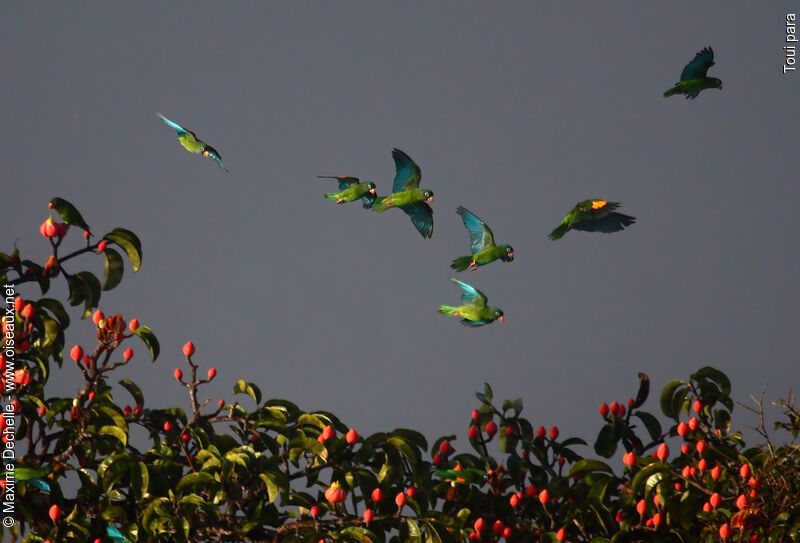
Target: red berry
{"points": [[476, 414], [554, 432], [693, 423], [744, 471], [631, 403], [445, 448], [188, 348], [561, 460], [221, 403], [629, 459], [400, 499], [604, 410], [742, 501], [701, 465], [641, 507], [335, 493], [28, 311], [127, 354], [351, 436], [614, 407], [137, 411], [686, 472], [91, 395], [97, 316], [541, 431], [42, 410], [87, 361], [437, 459], [697, 406], [254, 439], [618, 516], [101, 246], [212, 372], [19, 303], [76, 353], [657, 519], [701, 446], [127, 410], [48, 228], [167, 426], [692, 471], [561, 534], [473, 433], [479, 525], [621, 410], [185, 437], [411, 491], [544, 496], [491, 428], [368, 515], [715, 500], [327, 433], [715, 472], [377, 495], [683, 429], [133, 325], [513, 500], [498, 527], [678, 485], [662, 453], [725, 531], [509, 430], [706, 507], [684, 449], [313, 510], [86, 234], [754, 483], [54, 513], [178, 374], [531, 492], [508, 532], [474, 536]]}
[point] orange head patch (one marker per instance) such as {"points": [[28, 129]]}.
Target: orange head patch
{"points": [[597, 204]]}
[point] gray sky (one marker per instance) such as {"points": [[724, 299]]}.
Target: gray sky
{"points": [[515, 110]]}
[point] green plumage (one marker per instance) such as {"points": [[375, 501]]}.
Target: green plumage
{"points": [[484, 250], [351, 189], [407, 195], [69, 213], [693, 78], [593, 216], [473, 309], [192, 143]]}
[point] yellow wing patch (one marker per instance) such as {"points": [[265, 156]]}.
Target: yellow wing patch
{"points": [[597, 204]]}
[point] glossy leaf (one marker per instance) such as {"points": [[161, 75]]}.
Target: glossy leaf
{"points": [[128, 242], [150, 340], [114, 269]]}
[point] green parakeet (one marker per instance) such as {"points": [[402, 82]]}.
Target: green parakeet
{"points": [[407, 195], [483, 248], [192, 143], [351, 189], [69, 213], [473, 311], [693, 76], [593, 216]]}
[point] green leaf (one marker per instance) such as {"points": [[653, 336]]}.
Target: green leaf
{"points": [[410, 532], [644, 391], [487, 391], [129, 243], [56, 308], [150, 339], [667, 404], [140, 479], [134, 390], [92, 288], [114, 432], [69, 213], [250, 389], [405, 448], [114, 269], [194, 479], [606, 443], [589, 464], [643, 476], [651, 423], [77, 290], [716, 376]]}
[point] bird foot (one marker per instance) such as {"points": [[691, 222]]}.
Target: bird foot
{"points": [[472, 266], [339, 201], [389, 204]]}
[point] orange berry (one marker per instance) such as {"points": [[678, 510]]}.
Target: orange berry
{"points": [[167, 426], [706, 507], [682, 429], [641, 507], [498, 527], [377, 495], [702, 464], [715, 500], [715, 472], [544, 496], [541, 431], [701, 446], [54, 513], [744, 471], [629, 459], [479, 525], [97, 316], [351, 436], [127, 354], [513, 500], [335, 493], [662, 453], [473, 432], [561, 534], [491, 428], [28, 311], [400, 499], [76, 353], [657, 519], [188, 348], [742, 501], [725, 531], [133, 325], [697, 406], [19, 303], [313, 510], [553, 432], [212, 372], [604, 410], [178, 373], [368, 516]]}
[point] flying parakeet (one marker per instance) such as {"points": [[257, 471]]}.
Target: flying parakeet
{"points": [[350, 189], [693, 76], [593, 216], [473, 311], [407, 195], [483, 248], [191, 142]]}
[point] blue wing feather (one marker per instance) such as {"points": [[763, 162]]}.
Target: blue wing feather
{"points": [[422, 216], [469, 294], [40, 484], [344, 181], [407, 174], [175, 126], [699, 65], [115, 534], [480, 234]]}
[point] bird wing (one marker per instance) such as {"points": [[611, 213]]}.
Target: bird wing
{"points": [[368, 199], [407, 174], [214, 154], [470, 295], [422, 216], [613, 222], [699, 65], [344, 180], [473, 324], [480, 235], [178, 128]]}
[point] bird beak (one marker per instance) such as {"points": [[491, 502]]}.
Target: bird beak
{"points": [[511, 255], [205, 153], [501, 318], [430, 199], [372, 191]]}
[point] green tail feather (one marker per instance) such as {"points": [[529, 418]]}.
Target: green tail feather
{"points": [[332, 196], [673, 90], [559, 232], [447, 309], [461, 263]]}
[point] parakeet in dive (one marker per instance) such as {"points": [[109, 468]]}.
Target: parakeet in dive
{"points": [[483, 248], [191, 142], [473, 311], [593, 216], [350, 189], [407, 195], [693, 76]]}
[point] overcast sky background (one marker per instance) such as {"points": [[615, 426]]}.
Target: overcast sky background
{"points": [[516, 110]]}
